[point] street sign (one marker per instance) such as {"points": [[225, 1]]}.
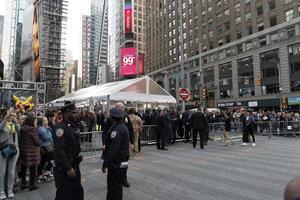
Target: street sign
{"points": [[184, 94]]}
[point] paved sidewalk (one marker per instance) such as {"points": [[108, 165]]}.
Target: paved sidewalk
{"points": [[184, 173]]}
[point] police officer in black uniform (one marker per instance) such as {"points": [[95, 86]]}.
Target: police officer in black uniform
{"points": [[67, 159], [116, 154]]}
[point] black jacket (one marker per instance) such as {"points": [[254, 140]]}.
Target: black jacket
{"points": [[198, 121]]}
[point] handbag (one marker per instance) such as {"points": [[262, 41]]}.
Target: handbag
{"points": [[9, 151]]}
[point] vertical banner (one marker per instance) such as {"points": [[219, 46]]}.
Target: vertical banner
{"points": [[36, 47], [127, 16], [127, 61], [141, 59]]}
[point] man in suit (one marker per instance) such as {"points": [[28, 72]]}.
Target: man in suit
{"points": [[199, 126]]}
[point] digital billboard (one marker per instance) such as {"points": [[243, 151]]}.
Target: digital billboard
{"points": [[141, 59], [36, 47], [127, 16], [127, 61]]}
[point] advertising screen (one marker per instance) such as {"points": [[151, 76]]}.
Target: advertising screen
{"points": [[127, 16], [127, 61], [141, 63], [36, 47]]}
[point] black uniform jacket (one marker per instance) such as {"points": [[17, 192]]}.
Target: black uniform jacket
{"points": [[117, 146], [66, 145]]}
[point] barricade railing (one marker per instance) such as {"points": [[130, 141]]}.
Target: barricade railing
{"points": [[285, 128], [148, 134], [91, 144], [217, 131]]}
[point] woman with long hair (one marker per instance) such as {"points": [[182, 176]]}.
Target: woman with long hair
{"points": [[30, 155], [9, 130]]}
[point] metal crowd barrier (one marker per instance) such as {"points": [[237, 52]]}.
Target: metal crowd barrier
{"points": [[91, 144], [216, 131], [148, 134]]}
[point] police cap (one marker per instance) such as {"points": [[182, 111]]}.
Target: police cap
{"points": [[69, 107], [116, 113]]}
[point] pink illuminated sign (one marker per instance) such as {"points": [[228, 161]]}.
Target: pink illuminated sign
{"points": [[127, 61]]}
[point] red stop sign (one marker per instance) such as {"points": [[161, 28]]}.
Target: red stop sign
{"points": [[184, 94]]}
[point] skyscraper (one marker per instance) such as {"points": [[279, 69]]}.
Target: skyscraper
{"points": [[249, 49], [86, 34], [1, 32], [117, 36], [98, 42], [51, 25]]}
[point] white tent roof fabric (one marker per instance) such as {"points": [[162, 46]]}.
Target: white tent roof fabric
{"points": [[142, 89]]}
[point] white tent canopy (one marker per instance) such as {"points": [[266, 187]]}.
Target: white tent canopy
{"points": [[142, 89]]}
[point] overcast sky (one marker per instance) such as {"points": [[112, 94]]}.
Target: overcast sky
{"points": [[76, 9]]}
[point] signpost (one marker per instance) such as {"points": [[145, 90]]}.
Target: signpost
{"points": [[184, 94]]}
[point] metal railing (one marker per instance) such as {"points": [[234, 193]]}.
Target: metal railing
{"points": [[91, 144], [216, 131]]}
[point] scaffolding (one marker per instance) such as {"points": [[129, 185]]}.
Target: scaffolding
{"points": [[21, 88], [52, 18]]}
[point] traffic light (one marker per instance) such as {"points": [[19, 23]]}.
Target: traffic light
{"points": [[205, 94]]}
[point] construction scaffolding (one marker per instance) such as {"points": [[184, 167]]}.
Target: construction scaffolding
{"points": [[21, 88], [52, 18]]}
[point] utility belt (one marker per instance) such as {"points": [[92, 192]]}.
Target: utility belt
{"points": [[121, 163]]}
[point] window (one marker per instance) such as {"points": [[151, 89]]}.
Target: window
{"points": [[249, 30], [273, 21], [289, 15], [227, 39], [210, 34], [204, 36], [259, 10], [272, 4], [238, 7], [261, 26], [239, 48], [248, 15], [238, 35], [274, 37], [248, 46], [238, 20], [227, 26], [209, 9], [220, 42], [227, 12], [291, 32], [263, 41], [219, 29]]}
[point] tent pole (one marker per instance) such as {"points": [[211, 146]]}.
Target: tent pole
{"points": [[108, 103]]}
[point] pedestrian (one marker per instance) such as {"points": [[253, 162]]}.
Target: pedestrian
{"points": [[66, 139], [137, 125], [227, 128], [185, 117], [249, 129], [9, 131], [116, 155], [160, 132], [30, 154], [47, 150], [199, 125]]}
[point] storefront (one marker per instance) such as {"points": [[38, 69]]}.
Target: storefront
{"points": [[268, 104]]}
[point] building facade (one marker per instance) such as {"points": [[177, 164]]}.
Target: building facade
{"points": [[86, 34], [98, 42], [71, 77], [249, 49], [1, 32], [117, 37]]}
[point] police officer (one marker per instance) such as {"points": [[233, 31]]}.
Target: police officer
{"points": [[67, 159], [116, 154]]}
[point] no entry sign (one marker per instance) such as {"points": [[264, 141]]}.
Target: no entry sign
{"points": [[184, 94]]}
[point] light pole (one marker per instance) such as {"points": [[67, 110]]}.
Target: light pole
{"points": [[181, 51]]}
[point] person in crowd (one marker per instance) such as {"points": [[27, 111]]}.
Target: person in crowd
{"points": [[29, 152], [100, 120], [66, 138], [174, 123], [199, 125], [249, 128], [137, 125], [9, 130], [186, 124], [227, 128], [160, 126], [292, 190], [47, 153], [116, 155], [168, 127], [50, 117]]}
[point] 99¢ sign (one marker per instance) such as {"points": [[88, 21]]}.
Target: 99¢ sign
{"points": [[127, 61]]}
